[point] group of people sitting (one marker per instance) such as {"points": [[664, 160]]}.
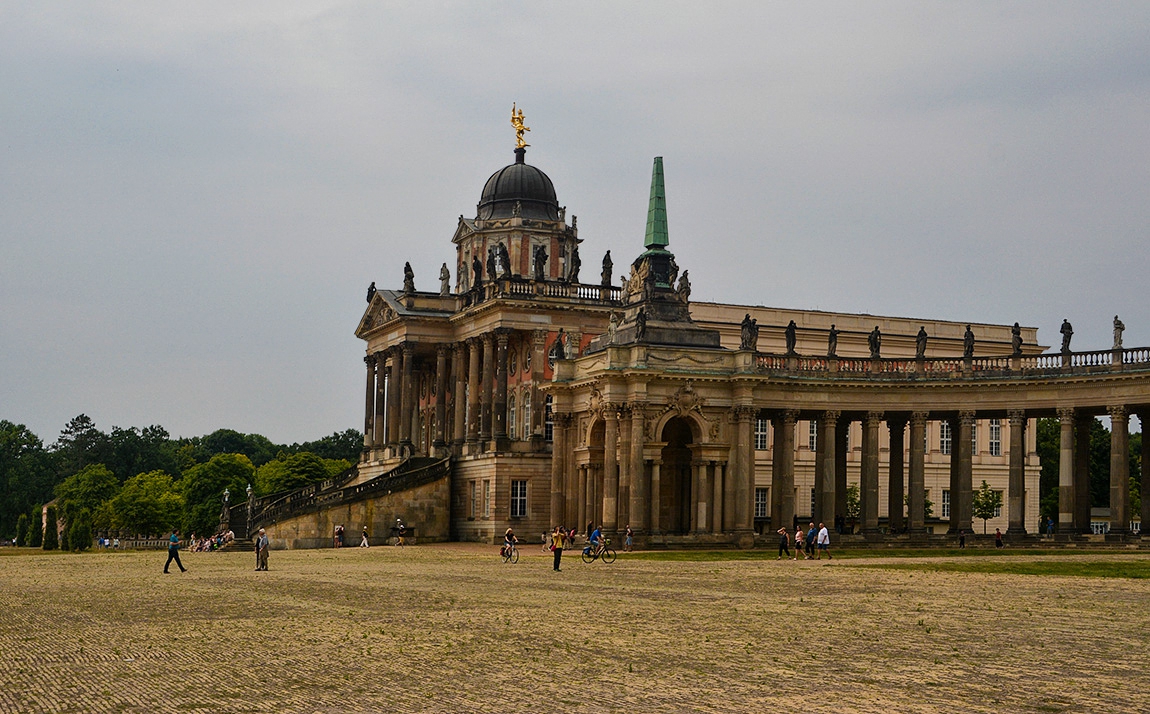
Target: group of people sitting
{"points": [[210, 544]]}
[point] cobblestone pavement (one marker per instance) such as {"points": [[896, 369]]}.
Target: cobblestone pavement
{"points": [[451, 629]]}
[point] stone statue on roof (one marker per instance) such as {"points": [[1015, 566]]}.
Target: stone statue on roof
{"points": [[1067, 332], [832, 342], [684, 289], [791, 337], [371, 291], [1118, 328], [749, 333], [573, 267], [444, 281], [408, 278], [920, 343], [874, 342], [968, 343], [476, 271], [520, 127], [539, 261], [608, 266], [1016, 340]]}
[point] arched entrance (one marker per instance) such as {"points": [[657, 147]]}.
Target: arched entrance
{"points": [[675, 474]]}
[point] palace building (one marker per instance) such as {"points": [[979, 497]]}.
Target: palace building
{"points": [[522, 394]]}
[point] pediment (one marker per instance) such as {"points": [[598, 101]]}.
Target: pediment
{"points": [[379, 312]]}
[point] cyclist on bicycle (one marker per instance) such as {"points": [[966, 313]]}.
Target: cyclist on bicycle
{"points": [[596, 541], [509, 540]]}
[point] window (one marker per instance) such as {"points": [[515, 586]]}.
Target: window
{"points": [[512, 366], [945, 503], [487, 499], [527, 415], [473, 492], [998, 508], [761, 503], [527, 360], [760, 434], [466, 412], [994, 442], [944, 439], [813, 437], [511, 420], [519, 499], [974, 437], [548, 419], [812, 511]]}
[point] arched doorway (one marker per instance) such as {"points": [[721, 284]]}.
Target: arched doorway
{"points": [[675, 477]]}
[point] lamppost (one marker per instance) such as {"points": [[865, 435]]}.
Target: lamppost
{"points": [[248, 527]]}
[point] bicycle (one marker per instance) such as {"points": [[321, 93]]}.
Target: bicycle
{"points": [[604, 552], [509, 554]]}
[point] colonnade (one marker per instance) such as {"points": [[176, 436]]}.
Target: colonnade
{"points": [[441, 398]]}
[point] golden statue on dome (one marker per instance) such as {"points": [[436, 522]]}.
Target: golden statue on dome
{"points": [[520, 127]]}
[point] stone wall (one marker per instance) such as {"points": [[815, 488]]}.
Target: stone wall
{"points": [[426, 509]]}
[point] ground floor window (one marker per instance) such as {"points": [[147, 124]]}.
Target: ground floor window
{"points": [[519, 499], [998, 508], [945, 503], [473, 492], [760, 503], [760, 434], [487, 499]]}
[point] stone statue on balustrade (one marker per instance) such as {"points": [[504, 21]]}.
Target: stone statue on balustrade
{"points": [[968, 343], [874, 342], [539, 263], [444, 281], [476, 272], [371, 291], [1118, 328], [791, 337], [1067, 332], [559, 346], [683, 292], [608, 266], [674, 274], [408, 278], [749, 337], [833, 342], [1016, 340], [640, 324], [920, 343], [504, 261], [574, 265], [491, 274]]}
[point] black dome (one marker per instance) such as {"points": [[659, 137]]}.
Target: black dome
{"points": [[518, 183]]}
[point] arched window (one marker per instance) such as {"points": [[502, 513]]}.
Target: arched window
{"points": [[511, 422]]}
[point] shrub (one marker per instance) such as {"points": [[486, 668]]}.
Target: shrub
{"points": [[80, 531], [51, 540], [64, 540], [36, 528], [22, 530]]}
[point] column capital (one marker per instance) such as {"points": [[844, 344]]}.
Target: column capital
{"points": [[1066, 414], [610, 411], [502, 335], [1118, 412], [831, 415], [563, 419], [873, 417], [967, 417], [743, 413], [442, 348], [1016, 415], [408, 348], [369, 360], [790, 416], [458, 347], [919, 417]]}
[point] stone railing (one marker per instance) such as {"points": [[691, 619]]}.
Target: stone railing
{"points": [[1056, 364], [525, 289], [409, 474]]}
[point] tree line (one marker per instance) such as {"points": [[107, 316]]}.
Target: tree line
{"points": [[1049, 438], [141, 481]]}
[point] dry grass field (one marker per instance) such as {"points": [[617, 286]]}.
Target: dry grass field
{"points": [[448, 628]]}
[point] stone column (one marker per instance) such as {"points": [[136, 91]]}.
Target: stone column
{"points": [[916, 492], [485, 390], [1066, 519], [538, 361], [624, 461], [610, 468], [842, 441], [868, 488], [1119, 470], [1016, 490], [369, 407], [745, 470], [457, 398], [379, 423], [500, 406], [440, 440], [896, 476], [583, 495], [558, 464], [1145, 514], [1082, 426], [717, 486], [656, 524], [955, 478], [640, 504], [776, 492], [702, 500], [394, 395], [407, 401], [825, 486], [473, 392], [965, 473], [785, 453]]}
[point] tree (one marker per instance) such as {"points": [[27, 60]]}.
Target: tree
{"points": [[35, 528], [51, 537], [86, 490], [80, 444], [1048, 435], [136, 451], [344, 445], [80, 531], [202, 487], [984, 502], [853, 505], [927, 506], [22, 530], [26, 474], [287, 473], [147, 504]]}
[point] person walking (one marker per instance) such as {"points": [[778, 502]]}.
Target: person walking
{"points": [[363, 542], [558, 540], [799, 538], [998, 538], [784, 540], [174, 551], [262, 551], [823, 542], [629, 540], [811, 535]]}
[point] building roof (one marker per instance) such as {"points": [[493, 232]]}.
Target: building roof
{"points": [[518, 184]]}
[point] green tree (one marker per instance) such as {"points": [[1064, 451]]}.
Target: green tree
{"points": [[342, 445], [136, 451], [287, 473], [35, 528], [854, 507], [26, 474], [22, 530], [79, 445], [86, 490], [202, 487], [984, 502], [51, 537], [80, 531], [147, 504], [1049, 439]]}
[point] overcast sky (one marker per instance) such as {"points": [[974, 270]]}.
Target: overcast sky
{"points": [[194, 196]]}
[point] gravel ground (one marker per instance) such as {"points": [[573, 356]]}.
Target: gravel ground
{"points": [[448, 628]]}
